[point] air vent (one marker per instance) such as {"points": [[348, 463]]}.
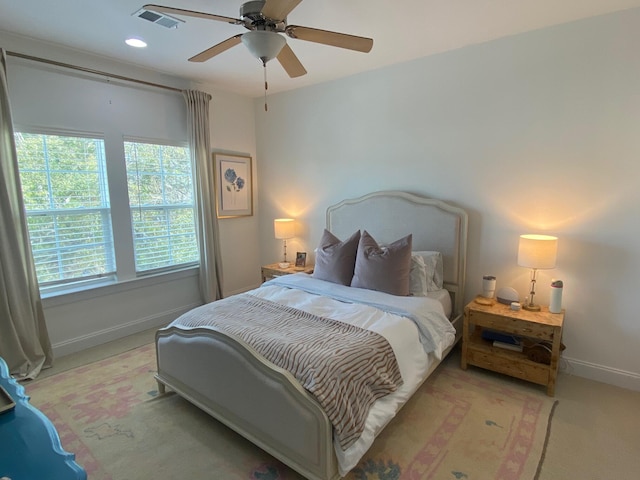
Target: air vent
{"points": [[159, 18]]}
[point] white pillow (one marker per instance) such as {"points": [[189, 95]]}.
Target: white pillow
{"points": [[427, 273], [417, 276]]}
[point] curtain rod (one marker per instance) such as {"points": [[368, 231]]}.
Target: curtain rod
{"points": [[90, 70]]}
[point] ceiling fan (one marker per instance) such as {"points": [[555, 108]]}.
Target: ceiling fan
{"points": [[266, 20]]}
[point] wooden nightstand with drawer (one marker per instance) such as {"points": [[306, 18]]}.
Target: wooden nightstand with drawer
{"points": [[274, 270], [530, 326]]}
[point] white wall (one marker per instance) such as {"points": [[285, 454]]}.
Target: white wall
{"points": [[47, 96], [534, 133], [233, 131]]}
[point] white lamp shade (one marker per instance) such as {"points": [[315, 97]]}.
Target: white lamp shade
{"points": [[537, 251], [284, 227], [263, 45]]}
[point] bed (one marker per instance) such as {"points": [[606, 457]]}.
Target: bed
{"points": [[267, 404]]}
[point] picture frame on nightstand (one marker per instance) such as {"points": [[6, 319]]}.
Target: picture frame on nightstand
{"points": [[301, 259]]}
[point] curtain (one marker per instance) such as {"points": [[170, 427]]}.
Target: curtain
{"points": [[207, 220], [24, 340]]}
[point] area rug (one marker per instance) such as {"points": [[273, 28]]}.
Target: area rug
{"points": [[459, 425]]}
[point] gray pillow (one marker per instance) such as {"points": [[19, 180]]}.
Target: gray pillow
{"points": [[385, 269], [335, 260]]}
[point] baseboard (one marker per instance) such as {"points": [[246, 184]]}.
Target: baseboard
{"points": [[601, 373], [94, 339]]}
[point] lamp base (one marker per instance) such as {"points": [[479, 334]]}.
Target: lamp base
{"points": [[284, 264], [532, 307]]}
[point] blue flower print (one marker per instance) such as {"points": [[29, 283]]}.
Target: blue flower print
{"points": [[236, 183]]}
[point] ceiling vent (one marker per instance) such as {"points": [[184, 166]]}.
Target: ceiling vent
{"points": [[159, 18]]}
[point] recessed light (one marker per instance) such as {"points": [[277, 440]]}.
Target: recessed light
{"points": [[135, 42]]}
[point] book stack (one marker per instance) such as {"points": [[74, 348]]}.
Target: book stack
{"points": [[503, 340]]}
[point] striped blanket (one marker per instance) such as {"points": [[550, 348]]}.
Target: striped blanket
{"points": [[346, 368]]}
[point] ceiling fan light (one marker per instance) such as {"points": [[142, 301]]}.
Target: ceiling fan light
{"points": [[263, 45]]}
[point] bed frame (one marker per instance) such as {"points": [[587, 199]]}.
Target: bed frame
{"points": [[264, 403]]}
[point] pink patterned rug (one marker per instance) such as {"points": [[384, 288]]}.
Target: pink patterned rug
{"points": [[459, 425]]}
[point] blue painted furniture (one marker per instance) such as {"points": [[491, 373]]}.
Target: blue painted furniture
{"points": [[29, 444]]}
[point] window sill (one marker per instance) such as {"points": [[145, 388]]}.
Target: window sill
{"points": [[111, 287]]}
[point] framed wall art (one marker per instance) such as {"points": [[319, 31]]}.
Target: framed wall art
{"points": [[234, 185]]}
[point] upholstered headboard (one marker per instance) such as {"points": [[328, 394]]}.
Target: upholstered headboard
{"points": [[435, 225]]}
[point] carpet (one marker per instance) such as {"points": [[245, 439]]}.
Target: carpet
{"points": [[459, 425]]}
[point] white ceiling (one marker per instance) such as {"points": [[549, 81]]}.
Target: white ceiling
{"points": [[402, 30]]}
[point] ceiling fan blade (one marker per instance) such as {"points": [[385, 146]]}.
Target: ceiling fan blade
{"points": [[290, 62], [279, 9], [217, 49], [335, 39], [191, 13]]}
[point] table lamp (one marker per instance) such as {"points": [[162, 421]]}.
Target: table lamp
{"points": [[284, 228], [536, 252]]}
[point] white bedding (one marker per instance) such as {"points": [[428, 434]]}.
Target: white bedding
{"points": [[354, 306]]}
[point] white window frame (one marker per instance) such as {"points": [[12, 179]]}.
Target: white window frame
{"points": [[120, 215], [164, 207], [98, 279]]}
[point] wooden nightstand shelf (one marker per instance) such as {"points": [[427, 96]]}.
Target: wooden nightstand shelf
{"points": [[274, 270], [535, 326]]}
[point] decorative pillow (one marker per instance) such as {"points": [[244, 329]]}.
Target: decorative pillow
{"points": [[433, 270], [335, 260], [385, 269]]}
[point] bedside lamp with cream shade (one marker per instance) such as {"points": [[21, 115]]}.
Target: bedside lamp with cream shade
{"points": [[536, 252], [284, 228]]}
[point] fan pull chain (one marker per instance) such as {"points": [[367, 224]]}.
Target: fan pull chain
{"points": [[266, 86]]}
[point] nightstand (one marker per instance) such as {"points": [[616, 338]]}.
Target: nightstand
{"points": [[532, 326], [274, 270]]}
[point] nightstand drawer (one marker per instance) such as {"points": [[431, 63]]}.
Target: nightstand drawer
{"points": [[511, 325], [275, 270], [270, 276]]}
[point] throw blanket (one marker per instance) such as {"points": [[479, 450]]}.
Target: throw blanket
{"points": [[436, 331], [345, 367]]}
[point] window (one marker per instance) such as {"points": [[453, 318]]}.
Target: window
{"points": [[64, 185], [72, 224], [160, 190]]}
